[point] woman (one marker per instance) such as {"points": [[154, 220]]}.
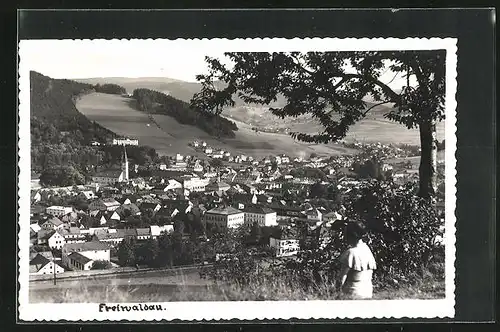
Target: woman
{"points": [[358, 264]]}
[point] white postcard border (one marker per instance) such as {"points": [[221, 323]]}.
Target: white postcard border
{"points": [[197, 311]]}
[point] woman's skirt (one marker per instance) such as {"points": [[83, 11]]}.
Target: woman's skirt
{"points": [[358, 289]]}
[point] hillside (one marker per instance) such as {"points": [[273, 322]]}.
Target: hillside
{"points": [[52, 103], [154, 102], [373, 128], [168, 136]]}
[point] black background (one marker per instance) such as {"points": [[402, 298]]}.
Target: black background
{"points": [[476, 132]]}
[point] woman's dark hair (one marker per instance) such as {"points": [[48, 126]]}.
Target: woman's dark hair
{"points": [[354, 231]]}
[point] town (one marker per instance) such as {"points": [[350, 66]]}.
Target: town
{"points": [[89, 226]]}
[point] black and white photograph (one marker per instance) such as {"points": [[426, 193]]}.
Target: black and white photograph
{"points": [[237, 179]]}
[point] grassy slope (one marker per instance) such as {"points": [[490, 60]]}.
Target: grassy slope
{"points": [[167, 136], [372, 128]]}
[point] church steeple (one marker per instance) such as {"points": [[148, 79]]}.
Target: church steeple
{"points": [[125, 165]]}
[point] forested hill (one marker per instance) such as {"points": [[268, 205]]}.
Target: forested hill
{"points": [[157, 102], [53, 112]]}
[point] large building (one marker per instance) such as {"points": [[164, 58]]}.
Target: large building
{"points": [[261, 215], [112, 176], [195, 184], [58, 211], [125, 141], [225, 217]]}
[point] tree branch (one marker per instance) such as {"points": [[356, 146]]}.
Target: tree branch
{"points": [[375, 105]]}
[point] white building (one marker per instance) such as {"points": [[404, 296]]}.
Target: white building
{"points": [[284, 247], [42, 265], [125, 141], [104, 204], [58, 211], [260, 215], [56, 241], [225, 217], [195, 184], [92, 251]]}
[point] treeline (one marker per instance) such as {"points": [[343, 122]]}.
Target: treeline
{"points": [[156, 102], [110, 88], [60, 134]]}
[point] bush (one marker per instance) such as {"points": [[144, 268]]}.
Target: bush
{"points": [[402, 229], [101, 265]]}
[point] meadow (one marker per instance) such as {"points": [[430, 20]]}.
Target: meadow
{"points": [[168, 136], [190, 287]]}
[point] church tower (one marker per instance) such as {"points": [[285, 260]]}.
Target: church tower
{"points": [[125, 165]]}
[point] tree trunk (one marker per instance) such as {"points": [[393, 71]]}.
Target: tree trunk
{"points": [[428, 159]]}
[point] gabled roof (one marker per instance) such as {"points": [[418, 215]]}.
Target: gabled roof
{"points": [[79, 258], [110, 201], [86, 246], [54, 221]]}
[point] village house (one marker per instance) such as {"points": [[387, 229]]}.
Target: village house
{"points": [[56, 240], [156, 230], [72, 235], [224, 217], [108, 176], [143, 233], [169, 185], [53, 223], [104, 204], [80, 256], [261, 215], [194, 183], [284, 246], [87, 195], [58, 211], [43, 265]]}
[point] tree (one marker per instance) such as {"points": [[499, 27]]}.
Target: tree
{"points": [[216, 163], [101, 265], [318, 190], [333, 87], [126, 252], [61, 176]]}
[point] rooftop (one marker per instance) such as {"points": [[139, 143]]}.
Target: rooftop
{"points": [[224, 210], [79, 258], [258, 209], [86, 246]]}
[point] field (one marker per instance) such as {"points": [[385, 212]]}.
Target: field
{"points": [[167, 136], [158, 287]]}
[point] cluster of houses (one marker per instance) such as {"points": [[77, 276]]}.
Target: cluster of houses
{"points": [[244, 191]]}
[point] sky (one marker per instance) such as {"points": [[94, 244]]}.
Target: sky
{"points": [[179, 59]]}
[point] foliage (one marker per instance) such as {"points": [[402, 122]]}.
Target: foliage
{"points": [[402, 227], [140, 155], [333, 87], [216, 163], [369, 169], [126, 252], [61, 176], [156, 102], [101, 265], [110, 88], [318, 190]]}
